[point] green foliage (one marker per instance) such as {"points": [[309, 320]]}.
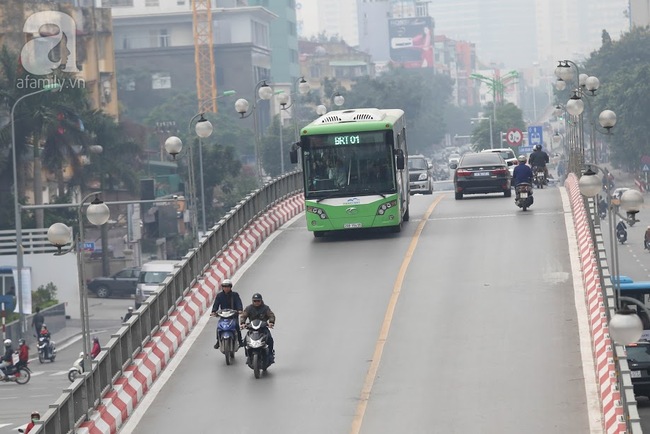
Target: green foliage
{"points": [[423, 96], [507, 116], [45, 296], [623, 68]]}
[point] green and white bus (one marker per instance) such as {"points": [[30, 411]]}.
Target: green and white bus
{"points": [[353, 169]]}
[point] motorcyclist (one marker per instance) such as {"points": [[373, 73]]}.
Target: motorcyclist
{"points": [[228, 299], [96, 348], [45, 333], [522, 173], [23, 352], [646, 237], [129, 314], [602, 207], [539, 158], [7, 358], [33, 418], [621, 228], [259, 310]]}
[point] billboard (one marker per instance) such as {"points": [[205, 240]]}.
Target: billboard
{"points": [[411, 42]]}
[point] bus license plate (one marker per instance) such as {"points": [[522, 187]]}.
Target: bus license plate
{"points": [[352, 225], [481, 173], [635, 374]]}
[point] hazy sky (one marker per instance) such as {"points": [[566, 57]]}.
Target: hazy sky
{"points": [[308, 13]]}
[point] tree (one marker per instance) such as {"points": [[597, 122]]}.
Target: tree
{"points": [[508, 116], [48, 120], [623, 68], [422, 95]]}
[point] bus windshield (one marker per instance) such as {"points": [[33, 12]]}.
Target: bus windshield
{"points": [[349, 164]]}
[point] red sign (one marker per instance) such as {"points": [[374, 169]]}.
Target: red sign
{"points": [[645, 159], [514, 137]]}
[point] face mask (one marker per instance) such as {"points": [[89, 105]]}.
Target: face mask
{"points": [[35, 419]]}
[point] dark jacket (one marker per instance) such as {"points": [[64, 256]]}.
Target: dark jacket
{"points": [[8, 355], [231, 300], [262, 312], [538, 159], [522, 173], [37, 320]]}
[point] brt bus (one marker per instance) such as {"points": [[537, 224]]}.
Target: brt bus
{"points": [[353, 170]]}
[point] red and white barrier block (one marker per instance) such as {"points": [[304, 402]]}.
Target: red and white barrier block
{"points": [[610, 397], [118, 404]]}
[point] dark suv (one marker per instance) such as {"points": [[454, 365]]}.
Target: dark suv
{"points": [[638, 359], [420, 175], [485, 172], [122, 283]]}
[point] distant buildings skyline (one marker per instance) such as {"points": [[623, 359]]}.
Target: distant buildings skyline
{"points": [[507, 33]]}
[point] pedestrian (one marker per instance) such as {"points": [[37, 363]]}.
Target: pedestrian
{"points": [[37, 321], [96, 348], [129, 314]]}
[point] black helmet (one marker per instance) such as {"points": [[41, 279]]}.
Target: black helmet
{"points": [[257, 296], [21, 341], [538, 147]]}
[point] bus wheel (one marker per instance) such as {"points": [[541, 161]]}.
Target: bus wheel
{"points": [[406, 216], [319, 234]]}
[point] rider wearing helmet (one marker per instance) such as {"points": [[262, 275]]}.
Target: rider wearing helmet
{"points": [[522, 172], [539, 158], [259, 310], [34, 417], [7, 357], [228, 299], [23, 351], [96, 348]]}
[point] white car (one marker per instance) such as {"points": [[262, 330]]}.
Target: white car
{"points": [[508, 155]]}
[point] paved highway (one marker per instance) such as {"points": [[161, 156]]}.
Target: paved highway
{"points": [[634, 261], [50, 378], [463, 323]]}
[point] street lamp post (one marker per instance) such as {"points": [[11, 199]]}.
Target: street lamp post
{"points": [[283, 99], [590, 185], [173, 145], [498, 86], [335, 98], [59, 235], [491, 135], [17, 214], [265, 93]]}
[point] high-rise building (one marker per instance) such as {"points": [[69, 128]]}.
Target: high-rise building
{"points": [[335, 18]]}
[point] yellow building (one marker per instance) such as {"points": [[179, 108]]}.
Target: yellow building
{"points": [[75, 39]]}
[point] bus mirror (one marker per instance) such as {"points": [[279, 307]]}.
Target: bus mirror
{"points": [[293, 154], [400, 159]]}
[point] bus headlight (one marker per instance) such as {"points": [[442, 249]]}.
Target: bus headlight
{"points": [[321, 212], [386, 206]]}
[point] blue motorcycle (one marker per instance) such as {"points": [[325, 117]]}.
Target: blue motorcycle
{"points": [[227, 333]]}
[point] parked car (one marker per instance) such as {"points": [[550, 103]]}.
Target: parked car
{"points": [[420, 175], [150, 279], [122, 283], [638, 359], [483, 172]]}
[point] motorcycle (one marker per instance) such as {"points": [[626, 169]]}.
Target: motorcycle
{"points": [[46, 349], [523, 195], [18, 373], [646, 244], [256, 347], [621, 235], [77, 368], [539, 177], [227, 333]]}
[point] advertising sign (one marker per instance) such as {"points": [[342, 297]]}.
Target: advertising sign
{"points": [[411, 42]]}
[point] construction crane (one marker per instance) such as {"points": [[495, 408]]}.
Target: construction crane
{"points": [[206, 86]]}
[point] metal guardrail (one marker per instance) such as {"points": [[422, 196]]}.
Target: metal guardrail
{"points": [[624, 379], [73, 407]]}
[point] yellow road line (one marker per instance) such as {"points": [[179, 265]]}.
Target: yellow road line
{"points": [[357, 421]]}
